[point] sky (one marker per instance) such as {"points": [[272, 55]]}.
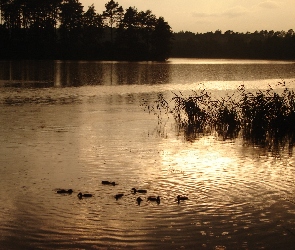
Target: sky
{"points": [[201, 16]]}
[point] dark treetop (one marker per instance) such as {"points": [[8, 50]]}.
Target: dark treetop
{"points": [[61, 29], [258, 45]]}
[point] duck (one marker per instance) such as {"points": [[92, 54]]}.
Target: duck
{"points": [[80, 195], [142, 191], [139, 200], [154, 198], [181, 198], [64, 191], [108, 183], [118, 196]]}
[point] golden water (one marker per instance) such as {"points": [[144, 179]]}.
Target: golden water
{"points": [[240, 197]]}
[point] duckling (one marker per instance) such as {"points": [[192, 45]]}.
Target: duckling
{"points": [[108, 183], [64, 191], [139, 200], [118, 196], [143, 191], [154, 198], [181, 198], [80, 195]]}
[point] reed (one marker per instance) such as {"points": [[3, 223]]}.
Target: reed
{"points": [[264, 118]]}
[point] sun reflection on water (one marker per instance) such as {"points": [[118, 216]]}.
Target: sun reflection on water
{"points": [[77, 137], [198, 157]]}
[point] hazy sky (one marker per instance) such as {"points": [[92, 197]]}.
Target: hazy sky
{"points": [[210, 15]]}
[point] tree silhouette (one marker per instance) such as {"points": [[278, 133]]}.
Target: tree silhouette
{"points": [[147, 23], [161, 38], [60, 29], [92, 32], [128, 41], [71, 23], [112, 15], [257, 45]]}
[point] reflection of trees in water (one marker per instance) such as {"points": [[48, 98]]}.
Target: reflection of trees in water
{"points": [[142, 73], [74, 74], [45, 74], [265, 119], [112, 73], [27, 74]]}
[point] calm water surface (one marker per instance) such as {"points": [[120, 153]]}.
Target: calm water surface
{"points": [[74, 124]]}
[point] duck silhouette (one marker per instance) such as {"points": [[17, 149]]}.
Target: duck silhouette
{"points": [[64, 191], [181, 198], [142, 191], [118, 196], [108, 183], [154, 198], [80, 195], [139, 200]]}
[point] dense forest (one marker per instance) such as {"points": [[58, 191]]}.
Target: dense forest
{"points": [[61, 29], [257, 45]]}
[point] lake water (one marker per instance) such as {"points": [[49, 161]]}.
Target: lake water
{"points": [[68, 124]]}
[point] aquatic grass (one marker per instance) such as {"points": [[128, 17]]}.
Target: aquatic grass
{"points": [[192, 111], [226, 119], [264, 118], [268, 117]]}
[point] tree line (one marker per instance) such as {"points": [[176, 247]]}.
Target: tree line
{"points": [[257, 45], [61, 29]]}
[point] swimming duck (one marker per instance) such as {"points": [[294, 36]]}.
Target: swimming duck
{"points": [[80, 195], [64, 191], [118, 196], [181, 198], [143, 191], [154, 198], [108, 183], [139, 200]]}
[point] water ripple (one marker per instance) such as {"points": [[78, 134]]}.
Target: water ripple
{"points": [[239, 196]]}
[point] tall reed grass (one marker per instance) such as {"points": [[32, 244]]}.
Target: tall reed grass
{"points": [[265, 117]]}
